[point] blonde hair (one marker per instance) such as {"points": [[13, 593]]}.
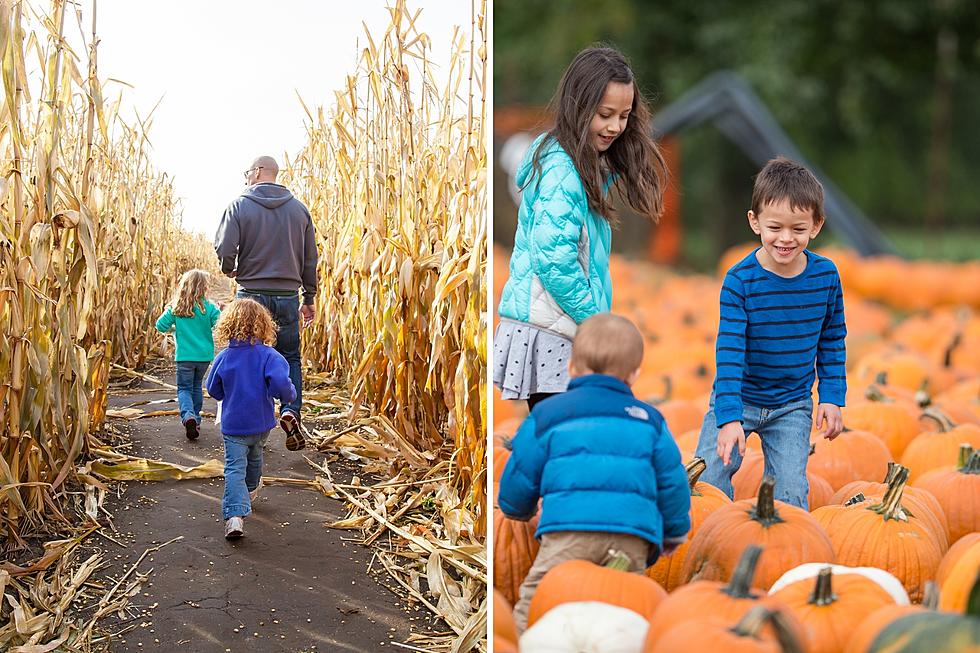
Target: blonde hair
{"points": [[246, 320], [191, 289], [607, 344]]}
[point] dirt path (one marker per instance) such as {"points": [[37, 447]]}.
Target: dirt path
{"points": [[290, 584]]}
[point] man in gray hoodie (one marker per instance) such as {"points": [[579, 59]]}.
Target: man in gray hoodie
{"points": [[267, 244]]}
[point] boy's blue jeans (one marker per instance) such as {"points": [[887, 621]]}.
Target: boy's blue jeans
{"points": [[190, 397], [243, 469], [785, 435], [285, 311]]}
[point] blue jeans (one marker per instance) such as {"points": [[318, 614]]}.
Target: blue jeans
{"points": [[285, 311], [190, 397], [243, 469], [785, 435]]}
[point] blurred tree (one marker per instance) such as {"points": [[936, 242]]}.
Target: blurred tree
{"points": [[882, 94]]}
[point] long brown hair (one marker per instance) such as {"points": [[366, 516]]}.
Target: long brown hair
{"points": [[191, 289], [633, 159]]}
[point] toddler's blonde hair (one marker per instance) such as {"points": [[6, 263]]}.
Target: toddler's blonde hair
{"points": [[607, 344], [246, 320]]}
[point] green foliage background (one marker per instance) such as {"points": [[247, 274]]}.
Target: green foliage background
{"points": [[858, 85]]}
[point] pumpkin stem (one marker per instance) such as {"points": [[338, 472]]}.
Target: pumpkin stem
{"points": [[857, 498], [930, 596], [964, 458], [823, 592], [973, 464], [694, 470], [881, 378], [948, 354], [765, 507], [890, 506], [740, 586], [892, 470], [756, 618], [616, 560], [874, 393], [922, 397], [813, 448], [942, 420]]}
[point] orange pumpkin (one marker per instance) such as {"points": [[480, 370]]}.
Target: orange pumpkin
{"points": [[831, 606], [958, 575], [881, 534], [935, 449], [514, 550], [851, 456], [681, 415], [894, 423], [919, 502], [728, 601], [705, 499], [709, 633], [954, 554], [958, 491], [868, 630], [581, 580], [789, 537], [504, 628]]}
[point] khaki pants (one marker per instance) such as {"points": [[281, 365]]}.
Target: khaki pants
{"points": [[558, 547]]}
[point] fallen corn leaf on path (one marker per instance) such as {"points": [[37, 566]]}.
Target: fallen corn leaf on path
{"points": [[290, 584]]}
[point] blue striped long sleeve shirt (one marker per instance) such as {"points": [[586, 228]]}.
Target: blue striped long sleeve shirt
{"points": [[777, 334]]}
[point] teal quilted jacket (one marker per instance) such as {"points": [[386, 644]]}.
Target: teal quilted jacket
{"points": [[559, 269]]}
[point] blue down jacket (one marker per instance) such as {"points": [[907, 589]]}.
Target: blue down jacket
{"points": [[559, 269], [602, 461]]}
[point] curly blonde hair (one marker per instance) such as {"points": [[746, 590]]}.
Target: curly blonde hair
{"points": [[246, 320], [191, 289]]}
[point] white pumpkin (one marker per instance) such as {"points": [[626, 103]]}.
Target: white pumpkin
{"points": [[586, 627], [887, 581]]}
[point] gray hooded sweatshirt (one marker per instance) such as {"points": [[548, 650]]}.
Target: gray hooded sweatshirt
{"points": [[267, 235]]}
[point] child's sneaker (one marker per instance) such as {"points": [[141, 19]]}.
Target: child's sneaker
{"points": [[294, 438], [190, 426], [234, 528]]}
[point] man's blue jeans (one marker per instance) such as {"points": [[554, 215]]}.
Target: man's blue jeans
{"points": [[190, 397], [785, 435], [243, 469], [285, 311]]}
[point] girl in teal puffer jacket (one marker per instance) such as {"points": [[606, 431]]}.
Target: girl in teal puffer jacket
{"points": [[559, 269]]}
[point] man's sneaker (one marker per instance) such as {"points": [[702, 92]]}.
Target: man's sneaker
{"points": [[294, 438], [254, 494], [234, 528], [190, 426]]}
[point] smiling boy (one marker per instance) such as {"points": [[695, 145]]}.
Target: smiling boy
{"points": [[782, 326]]}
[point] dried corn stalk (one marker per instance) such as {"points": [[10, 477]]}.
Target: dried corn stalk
{"points": [[90, 246], [394, 175]]}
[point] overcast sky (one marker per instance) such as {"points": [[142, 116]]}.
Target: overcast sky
{"points": [[228, 72]]}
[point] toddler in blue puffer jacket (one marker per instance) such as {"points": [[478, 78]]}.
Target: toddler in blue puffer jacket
{"points": [[604, 463]]}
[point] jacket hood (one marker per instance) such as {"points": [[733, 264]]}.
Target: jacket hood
{"points": [[526, 169], [269, 195]]}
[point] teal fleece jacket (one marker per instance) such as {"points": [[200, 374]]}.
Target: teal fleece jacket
{"points": [[194, 339]]}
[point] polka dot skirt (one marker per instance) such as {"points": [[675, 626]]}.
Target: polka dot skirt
{"points": [[528, 360]]}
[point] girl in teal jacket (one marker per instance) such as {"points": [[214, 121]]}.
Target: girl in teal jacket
{"points": [[559, 268], [192, 317]]}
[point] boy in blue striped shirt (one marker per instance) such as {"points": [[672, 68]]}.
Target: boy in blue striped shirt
{"points": [[782, 326]]}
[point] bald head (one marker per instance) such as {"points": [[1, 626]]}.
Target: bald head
{"points": [[607, 344], [265, 168]]}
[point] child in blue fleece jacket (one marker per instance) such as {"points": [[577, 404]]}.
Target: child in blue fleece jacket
{"points": [[604, 463], [246, 377]]}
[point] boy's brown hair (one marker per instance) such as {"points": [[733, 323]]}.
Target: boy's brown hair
{"points": [[607, 344], [246, 320], [782, 179]]}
